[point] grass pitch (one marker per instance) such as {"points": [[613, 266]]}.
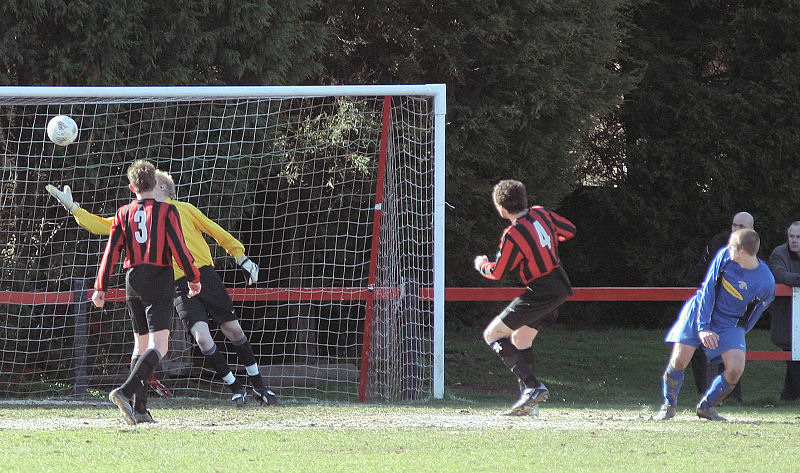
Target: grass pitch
{"points": [[605, 392], [215, 438]]}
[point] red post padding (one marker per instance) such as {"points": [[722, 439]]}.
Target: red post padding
{"points": [[35, 298], [769, 355]]}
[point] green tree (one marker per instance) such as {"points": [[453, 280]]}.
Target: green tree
{"points": [[145, 42], [137, 43], [710, 130], [526, 81]]}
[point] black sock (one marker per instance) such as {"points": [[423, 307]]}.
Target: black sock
{"points": [[515, 361], [530, 358], [245, 352], [144, 367], [140, 396], [134, 359], [247, 358], [217, 361]]}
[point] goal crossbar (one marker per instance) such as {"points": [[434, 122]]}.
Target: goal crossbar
{"points": [[61, 95]]}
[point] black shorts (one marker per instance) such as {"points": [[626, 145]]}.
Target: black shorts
{"points": [[148, 294], [213, 302], [538, 306]]}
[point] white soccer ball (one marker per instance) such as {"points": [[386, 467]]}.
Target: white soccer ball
{"points": [[62, 130]]}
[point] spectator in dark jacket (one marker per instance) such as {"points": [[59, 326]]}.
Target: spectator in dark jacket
{"points": [[785, 265]]}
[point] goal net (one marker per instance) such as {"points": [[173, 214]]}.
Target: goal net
{"points": [[336, 193]]}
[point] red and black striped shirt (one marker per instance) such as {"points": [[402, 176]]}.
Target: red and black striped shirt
{"points": [[150, 233], [530, 243]]}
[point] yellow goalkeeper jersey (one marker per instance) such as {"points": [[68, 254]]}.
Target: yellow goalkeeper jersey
{"points": [[193, 223]]}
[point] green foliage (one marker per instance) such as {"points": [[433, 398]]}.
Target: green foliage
{"points": [[708, 131], [338, 137], [524, 81], [684, 112], [142, 42]]}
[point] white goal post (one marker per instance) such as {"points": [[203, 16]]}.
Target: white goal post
{"points": [[336, 192]]}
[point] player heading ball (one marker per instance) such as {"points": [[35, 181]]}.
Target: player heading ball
{"points": [[149, 232]]}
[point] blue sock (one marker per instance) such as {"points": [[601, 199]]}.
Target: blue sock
{"points": [[672, 382], [719, 389]]}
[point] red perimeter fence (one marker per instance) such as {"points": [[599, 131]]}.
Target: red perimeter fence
{"points": [[453, 294], [607, 294]]}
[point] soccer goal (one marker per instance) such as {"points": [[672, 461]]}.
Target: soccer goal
{"points": [[336, 192]]}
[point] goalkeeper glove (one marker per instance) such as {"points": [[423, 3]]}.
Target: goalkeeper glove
{"points": [[65, 197], [250, 269]]}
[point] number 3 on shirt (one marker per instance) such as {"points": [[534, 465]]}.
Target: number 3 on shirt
{"points": [[140, 217], [544, 237]]}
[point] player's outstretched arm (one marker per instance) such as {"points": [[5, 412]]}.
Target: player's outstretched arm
{"points": [[89, 221], [65, 197], [250, 269]]}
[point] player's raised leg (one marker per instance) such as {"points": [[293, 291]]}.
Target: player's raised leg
{"points": [[499, 337]]}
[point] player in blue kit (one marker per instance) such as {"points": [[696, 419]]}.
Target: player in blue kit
{"points": [[737, 289]]}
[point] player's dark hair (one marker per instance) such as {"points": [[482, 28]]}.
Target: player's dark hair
{"points": [[746, 239], [511, 195], [142, 176]]}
